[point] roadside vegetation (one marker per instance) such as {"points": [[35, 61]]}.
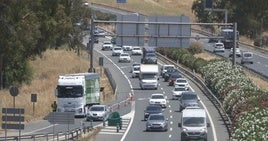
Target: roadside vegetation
{"points": [[41, 40], [241, 96]]}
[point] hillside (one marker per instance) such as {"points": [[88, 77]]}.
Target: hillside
{"points": [[46, 71], [153, 7]]}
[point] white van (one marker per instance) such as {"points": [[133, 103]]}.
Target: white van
{"points": [[193, 124], [247, 57]]}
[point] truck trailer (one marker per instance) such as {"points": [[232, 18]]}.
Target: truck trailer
{"points": [[75, 92], [149, 75]]}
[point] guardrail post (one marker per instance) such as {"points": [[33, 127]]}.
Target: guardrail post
{"points": [[103, 122], [117, 127], [91, 124], [120, 125]]}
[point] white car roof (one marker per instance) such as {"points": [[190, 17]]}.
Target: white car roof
{"points": [[193, 112]]}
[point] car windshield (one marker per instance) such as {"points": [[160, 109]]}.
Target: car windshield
{"points": [[136, 48], [97, 108], [181, 81], [136, 68], [117, 48], [157, 97], [179, 89], [154, 108], [219, 45], [194, 121], [175, 76], [107, 43], [136, 64], [189, 96], [150, 55], [169, 67], [124, 54], [157, 117], [171, 70], [247, 55]]}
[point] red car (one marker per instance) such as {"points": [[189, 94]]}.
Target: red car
{"points": [[173, 77]]}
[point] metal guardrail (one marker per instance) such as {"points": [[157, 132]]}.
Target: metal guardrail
{"points": [[110, 78], [202, 86], [62, 136]]}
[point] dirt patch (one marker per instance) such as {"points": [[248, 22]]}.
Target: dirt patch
{"points": [[206, 56]]}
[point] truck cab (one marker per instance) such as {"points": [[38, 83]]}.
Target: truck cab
{"points": [[75, 92], [149, 55], [194, 124]]}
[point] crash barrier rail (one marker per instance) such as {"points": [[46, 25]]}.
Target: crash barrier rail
{"points": [[110, 78], [61, 136], [202, 86]]}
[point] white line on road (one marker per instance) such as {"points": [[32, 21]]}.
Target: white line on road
{"points": [[169, 136]]}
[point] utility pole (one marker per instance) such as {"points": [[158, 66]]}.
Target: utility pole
{"points": [[92, 38], [235, 42]]}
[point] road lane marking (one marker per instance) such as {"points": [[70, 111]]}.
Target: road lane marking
{"points": [[132, 112], [169, 136], [170, 116], [211, 122]]}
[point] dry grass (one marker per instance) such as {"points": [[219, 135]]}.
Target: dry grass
{"points": [[154, 7], [47, 69], [206, 56]]}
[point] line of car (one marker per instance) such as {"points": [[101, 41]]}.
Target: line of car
{"points": [[124, 56], [246, 56], [193, 121]]}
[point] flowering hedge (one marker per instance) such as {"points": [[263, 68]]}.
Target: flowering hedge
{"points": [[251, 126], [241, 97]]}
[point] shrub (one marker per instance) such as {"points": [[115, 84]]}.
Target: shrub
{"points": [[195, 48]]}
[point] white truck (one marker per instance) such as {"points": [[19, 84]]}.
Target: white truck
{"points": [[77, 91], [149, 75]]}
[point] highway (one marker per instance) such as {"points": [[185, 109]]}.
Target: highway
{"points": [[217, 131], [260, 59], [135, 130]]}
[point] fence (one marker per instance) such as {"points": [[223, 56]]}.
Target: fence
{"points": [[62, 136]]}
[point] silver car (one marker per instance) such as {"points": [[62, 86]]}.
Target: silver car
{"points": [[189, 99], [156, 122], [98, 112], [247, 57]]}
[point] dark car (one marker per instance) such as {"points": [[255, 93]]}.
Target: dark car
{"points": [[173, 77], [152, 109], [113, 40], [169, 72], [189, 99], [96, 40]]}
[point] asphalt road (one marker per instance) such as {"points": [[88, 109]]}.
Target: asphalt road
{"points": [[136, 130], [260, 60]]}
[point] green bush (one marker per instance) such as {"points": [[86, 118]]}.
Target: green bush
{"points": [[198, 64], [195, 48]]}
